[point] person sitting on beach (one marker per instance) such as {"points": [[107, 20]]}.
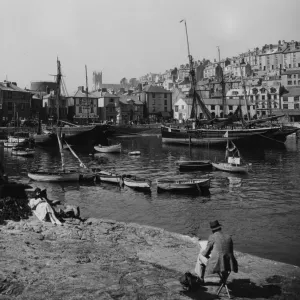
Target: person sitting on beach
{"points": [[218, 256], [42, 209]]}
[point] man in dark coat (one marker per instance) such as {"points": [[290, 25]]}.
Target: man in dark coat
{"points": [[218, 255]]}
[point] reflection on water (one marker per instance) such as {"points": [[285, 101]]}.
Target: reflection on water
{"points": [[260, 209]]}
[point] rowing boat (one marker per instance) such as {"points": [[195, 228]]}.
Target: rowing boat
{"points": [[183, 184], [108, 149], [136, 182]]}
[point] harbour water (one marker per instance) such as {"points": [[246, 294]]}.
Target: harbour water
{"points": [[260, 210]]}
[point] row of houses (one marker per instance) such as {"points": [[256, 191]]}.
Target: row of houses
{"points": [[152, 103]]}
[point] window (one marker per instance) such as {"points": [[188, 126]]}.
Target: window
{"points": [[298, 65], [235, 93], [295, 75], [80, 109], [166, 102], [212, 107], [80, 102], [230, 107], [249, 107], [221, 107], [22, 106], [166, 109], [111, 100], [289, 76], [176, 108], [295, 82], [9, 105], [275, 97], [182, 107], [253, 106], [296, 98], [285, 106], [298, 82], [296, 106], [92, 109], [263, 113], [153, 95], [165, 95], [290, 82], [290, 65], [263, 97]]}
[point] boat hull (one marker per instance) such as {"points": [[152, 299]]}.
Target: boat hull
{"points": [[54, 176], [137, 184], [194, 165], [23, 152], [181, 185], [231, 168], [204, 137]]}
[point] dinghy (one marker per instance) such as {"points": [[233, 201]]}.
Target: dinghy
{"points": [[193, 165], [134, 153], [108, 149], [136, 182], [183, 184], [22, 151], [109, 177]]}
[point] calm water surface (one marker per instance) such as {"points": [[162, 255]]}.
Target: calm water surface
{"points": [[261, 210]]}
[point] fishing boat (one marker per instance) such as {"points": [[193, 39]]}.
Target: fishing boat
{"points": [[136, 182], [63, 174], [233, 163], [22, 151], [193, 165], [108, 149], [183, 184]]}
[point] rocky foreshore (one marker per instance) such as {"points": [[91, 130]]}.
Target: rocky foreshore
{"points": [[105, 259]]}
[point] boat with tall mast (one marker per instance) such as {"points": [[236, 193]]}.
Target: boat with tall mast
{"points": [[64, 174], [212, 131]]}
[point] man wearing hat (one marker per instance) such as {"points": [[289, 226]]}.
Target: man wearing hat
{"points": [[218, 255]]}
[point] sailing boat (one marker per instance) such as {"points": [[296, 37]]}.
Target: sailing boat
{"points": [[63, 174], [233, 158], [214, 130]]}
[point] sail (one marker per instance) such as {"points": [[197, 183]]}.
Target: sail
{"points": [[61, 150], [80, 161]]}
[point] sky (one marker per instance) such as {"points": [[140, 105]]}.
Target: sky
{"points": [[130, 38]]}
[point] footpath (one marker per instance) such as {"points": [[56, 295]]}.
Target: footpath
{"points": [[105, 259]]}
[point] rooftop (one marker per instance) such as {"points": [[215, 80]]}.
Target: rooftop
{"points": [[155, 89]]}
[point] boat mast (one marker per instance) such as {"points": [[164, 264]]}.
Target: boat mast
{"points": [[196, 97], [87, 95], [245, 92], [192, 73], [58, 82], [58, 129], [222, 85]]}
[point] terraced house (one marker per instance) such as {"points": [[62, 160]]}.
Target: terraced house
{"points": [[157, 103], [14, 102]]}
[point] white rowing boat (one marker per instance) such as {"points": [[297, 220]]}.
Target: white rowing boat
{"points": [[108, 149]]}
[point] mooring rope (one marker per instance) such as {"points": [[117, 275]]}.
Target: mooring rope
{"points": [[271, 139]]}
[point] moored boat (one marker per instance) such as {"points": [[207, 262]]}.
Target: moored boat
{"points": [[109, 177], [233, 164], [22, 151], [63, 174], [183, 184], [108, 149], [133, 153], [136, 182], [55, 176]]}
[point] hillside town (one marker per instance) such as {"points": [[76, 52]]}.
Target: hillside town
{"points": [[267, 78]]}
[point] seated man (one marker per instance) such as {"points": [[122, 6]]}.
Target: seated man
{"points": [[218, 255], [42, 209]]}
